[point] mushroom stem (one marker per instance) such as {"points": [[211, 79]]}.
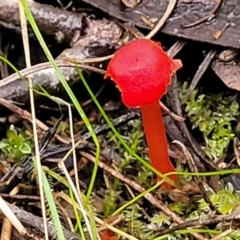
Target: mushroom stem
{"points": [[156, 139]]}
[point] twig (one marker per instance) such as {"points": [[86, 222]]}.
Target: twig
{"points": [[46, 65], [201, 70], [20, 197], [170, 113], [208, 17], [202, 221], [166, 15]]}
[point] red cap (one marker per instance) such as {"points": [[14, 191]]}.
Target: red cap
{"points": [[142, 72]]}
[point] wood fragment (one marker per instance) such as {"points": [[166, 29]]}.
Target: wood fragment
{"points": [[210, 16], [50, 20], [201, 70], [219, 33], [202, 33], [228, 73]]}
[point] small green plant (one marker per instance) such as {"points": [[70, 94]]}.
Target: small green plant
{"points": [[16, 144], [111, 196], [212, 115], [224, 200], [136, 224]]}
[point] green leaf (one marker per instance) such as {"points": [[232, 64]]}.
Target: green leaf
{"points": [[53, 208], [25, 148]]}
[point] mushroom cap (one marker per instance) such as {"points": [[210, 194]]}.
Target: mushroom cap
{"points": [[142, 71]]}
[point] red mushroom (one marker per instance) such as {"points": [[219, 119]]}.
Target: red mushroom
{"points": [[142, 71]]}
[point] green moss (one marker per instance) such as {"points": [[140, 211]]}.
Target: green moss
{"points": [[212, 115]]}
